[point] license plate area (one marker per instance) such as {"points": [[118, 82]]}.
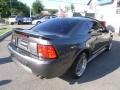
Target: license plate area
{"points": [[23, 52], [22, 43]]}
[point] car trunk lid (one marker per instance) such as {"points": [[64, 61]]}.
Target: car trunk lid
{"points": [[28, 40]]}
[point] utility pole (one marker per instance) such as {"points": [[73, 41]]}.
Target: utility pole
{"points": [[30, 11]]}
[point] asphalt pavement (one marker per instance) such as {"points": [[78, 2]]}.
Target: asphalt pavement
{"points": [[103, 73]]}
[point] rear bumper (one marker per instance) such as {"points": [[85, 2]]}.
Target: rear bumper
{"points": [[47, 69]]}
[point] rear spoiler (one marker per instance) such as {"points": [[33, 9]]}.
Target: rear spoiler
{"points": [[45, 37]]}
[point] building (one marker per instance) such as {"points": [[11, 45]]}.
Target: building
{"points": [[109, 11], [104, 10]]}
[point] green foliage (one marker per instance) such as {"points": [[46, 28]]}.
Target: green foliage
{"points": [[4, 30], [72, 8], [37, 7], [13, 7], [14, 11], [52, 11], [4, 8], [22, 9]]}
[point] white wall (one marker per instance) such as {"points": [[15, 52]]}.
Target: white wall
{"points": [[108, 14]]}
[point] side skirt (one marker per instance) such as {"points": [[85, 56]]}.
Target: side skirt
{"points": [[95, 55]]}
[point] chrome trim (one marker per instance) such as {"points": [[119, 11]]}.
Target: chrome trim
{"points": [[96, 54], [99, 49]]}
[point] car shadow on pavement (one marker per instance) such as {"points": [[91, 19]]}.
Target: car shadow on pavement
{"points": [[101, 66], [4, 82], [5, 60]]}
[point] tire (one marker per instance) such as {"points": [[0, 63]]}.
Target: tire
{"points": [[38, 22], [12, 23], [19, 22], [109, 46], [30, 23], [79, 66]]}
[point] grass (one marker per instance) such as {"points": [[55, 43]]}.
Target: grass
{"points": [[3, 30]]}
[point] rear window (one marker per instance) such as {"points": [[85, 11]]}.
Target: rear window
{"points": [[57, 26]]}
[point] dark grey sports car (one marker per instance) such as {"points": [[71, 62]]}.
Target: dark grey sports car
{"points": [[54, 47]]}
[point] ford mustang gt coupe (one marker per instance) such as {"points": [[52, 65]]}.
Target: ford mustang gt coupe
{"points": [[59, 45]]}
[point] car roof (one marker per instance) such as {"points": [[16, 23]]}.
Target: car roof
{"points": [[76, 18], [83, 18]]}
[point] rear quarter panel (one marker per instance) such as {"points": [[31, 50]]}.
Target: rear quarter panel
{"points": [[68, 48]]}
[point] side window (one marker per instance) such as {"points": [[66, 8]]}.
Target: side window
{"points": [[84, 27], [47, 17], [97, 26]]}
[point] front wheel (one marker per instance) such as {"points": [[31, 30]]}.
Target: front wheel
{"points": [[12, 23], [38, 22], [19, 22], [79, 66]]}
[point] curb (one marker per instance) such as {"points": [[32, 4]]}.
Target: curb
{"points": [[3, 36]]}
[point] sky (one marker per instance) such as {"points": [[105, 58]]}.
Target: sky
{"points": [[54, 4]]}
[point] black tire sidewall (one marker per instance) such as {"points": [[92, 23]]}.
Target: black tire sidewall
{"points": [[38, 22], [74, 66], [109, 43], [19, 22]]}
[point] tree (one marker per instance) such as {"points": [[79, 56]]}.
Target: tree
{"points": [[13, 7], [72, 7], [37, 7], [22, 9], [14, 11], [52, 11], [4, 8]]}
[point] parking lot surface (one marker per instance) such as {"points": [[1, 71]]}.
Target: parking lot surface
{"points": [[103, 73]]}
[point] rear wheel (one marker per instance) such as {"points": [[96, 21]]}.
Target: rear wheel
{"points": [[12, 23], [109, 46], [79, 66], [38, 22], [19, 22]]}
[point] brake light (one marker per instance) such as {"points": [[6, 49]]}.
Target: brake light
{"points": [[46, 51]]}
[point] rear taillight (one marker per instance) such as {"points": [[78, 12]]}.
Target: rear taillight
{"points": [[46, 51]]}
